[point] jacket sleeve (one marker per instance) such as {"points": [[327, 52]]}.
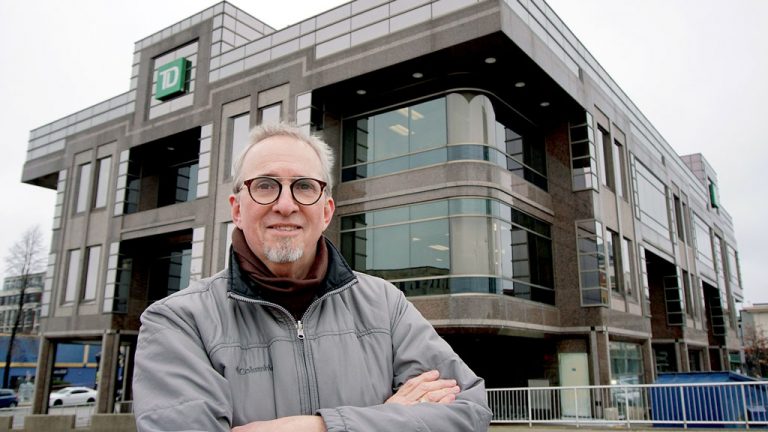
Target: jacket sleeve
{"points": [[174, 383], [418, 348]]}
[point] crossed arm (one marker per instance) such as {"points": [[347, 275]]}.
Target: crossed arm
{"points": [[424, 388]]}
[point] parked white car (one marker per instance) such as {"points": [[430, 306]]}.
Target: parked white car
{"points": [[72, 396]]}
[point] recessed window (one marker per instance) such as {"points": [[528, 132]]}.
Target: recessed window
{"points": [[270, 114], [91, 273], [83, 188], [104, 167], [239, 127], [73, 276]]}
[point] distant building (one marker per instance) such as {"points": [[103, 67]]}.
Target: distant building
{"points": [[754, 320], [488, 166], [9, 303]]}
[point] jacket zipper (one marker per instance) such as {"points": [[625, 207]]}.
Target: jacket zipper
{"points": [[314, 403]]}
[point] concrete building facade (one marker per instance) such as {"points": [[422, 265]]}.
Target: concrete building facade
{"points": [[487, 166], [10, 297]]}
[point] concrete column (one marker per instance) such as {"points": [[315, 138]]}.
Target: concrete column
{"points": [[682, 356], [649, 362], [45, 361], [110, 347]]}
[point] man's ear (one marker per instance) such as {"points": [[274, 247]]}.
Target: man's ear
{"points": [[328, 208], [234, 204]]}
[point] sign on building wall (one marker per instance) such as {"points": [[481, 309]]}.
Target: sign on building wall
{"points": [[172, 79]]}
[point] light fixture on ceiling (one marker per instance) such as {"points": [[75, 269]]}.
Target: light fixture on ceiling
{"points": [[438, 247], [417, 75], [544, 104], [490, 60], [361, 92], [520, 84]]}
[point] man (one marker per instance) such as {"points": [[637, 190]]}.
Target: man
{"points": [[289, 338]]}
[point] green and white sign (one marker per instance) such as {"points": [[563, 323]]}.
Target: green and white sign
{"points": [[172, 79]]}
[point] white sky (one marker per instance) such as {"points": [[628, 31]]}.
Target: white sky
{"points": [[698, 69]]}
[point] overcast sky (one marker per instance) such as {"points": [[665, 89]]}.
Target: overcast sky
{"points": [[696, 68]]}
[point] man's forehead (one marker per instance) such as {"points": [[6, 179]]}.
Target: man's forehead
{"points": [[282, 150]]}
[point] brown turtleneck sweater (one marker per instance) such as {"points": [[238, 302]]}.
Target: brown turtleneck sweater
{"points": [[292, 294]]}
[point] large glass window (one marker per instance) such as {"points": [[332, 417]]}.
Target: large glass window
{"points": [[626, 363], [92, 273], [84, 187], [703, 241], [652, 201], [102, 182], [593, 276], [455, 127], [449, 246]]}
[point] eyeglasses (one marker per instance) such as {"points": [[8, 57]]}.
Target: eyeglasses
{"points": [[266, 190]]}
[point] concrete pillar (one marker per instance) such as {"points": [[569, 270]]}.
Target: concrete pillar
{"points": [[45, 362], [110, 348], [682, 356], [649, 362]]}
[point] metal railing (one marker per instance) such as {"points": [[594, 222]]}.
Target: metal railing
{"points": [[740, 404]]}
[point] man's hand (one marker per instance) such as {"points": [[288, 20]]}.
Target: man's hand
{"points": [[426, 388], [294, 423]]}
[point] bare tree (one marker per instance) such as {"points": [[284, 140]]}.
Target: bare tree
{"points": [[25, 257], [755, 351]]}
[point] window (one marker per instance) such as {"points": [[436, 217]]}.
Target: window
{"points": [[83, 188], [734, 273], [607, 176], [270, 114], [690, 308], [239, 127], [627, 267], [652, 201], [583, 153], [592, 263], [613, 248], [463, 126], [679, 219], [619, 172], [703, 241], [450, 246], [163, 172], [102, 182], [626, 363], [91, 273], [73, 276]]}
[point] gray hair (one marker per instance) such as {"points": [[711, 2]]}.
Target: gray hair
{"points": [[261, 133]]}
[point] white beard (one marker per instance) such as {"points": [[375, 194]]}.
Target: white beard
{"points": [[284, 252]]}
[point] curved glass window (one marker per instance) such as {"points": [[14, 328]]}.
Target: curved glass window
{"points": [[458, 126], [452, 246]]}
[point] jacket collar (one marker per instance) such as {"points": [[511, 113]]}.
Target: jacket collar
{"points": [[339, 274]]}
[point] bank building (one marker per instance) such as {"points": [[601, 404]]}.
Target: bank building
{"points": [[488, 166]]}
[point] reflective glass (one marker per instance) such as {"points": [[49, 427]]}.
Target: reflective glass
{"points": [[102, 182], [83, 188]]}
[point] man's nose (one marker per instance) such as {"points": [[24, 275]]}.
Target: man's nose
{"points": [[285, 203]]}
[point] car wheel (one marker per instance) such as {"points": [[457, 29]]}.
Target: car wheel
{"points": [[58, 402], [12, 405], [91, 400]]}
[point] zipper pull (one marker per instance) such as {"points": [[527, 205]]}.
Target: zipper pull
{"points": [[300, 330]]}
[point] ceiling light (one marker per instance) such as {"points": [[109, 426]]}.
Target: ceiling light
{"points": [[490, 60], [544, 104], [418, 75], [399, 129], [361, 92], [519, 84], [438, 247]]}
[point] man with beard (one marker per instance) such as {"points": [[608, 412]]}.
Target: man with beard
{"points": [[289, 338]]}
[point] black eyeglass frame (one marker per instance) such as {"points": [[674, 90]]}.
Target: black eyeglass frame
{"points": [[247, 185]]}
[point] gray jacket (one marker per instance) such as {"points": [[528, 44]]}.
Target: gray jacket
{"points": [[215, 355]]}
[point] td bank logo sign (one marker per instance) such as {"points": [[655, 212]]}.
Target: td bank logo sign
{"points": [[172, 79]]}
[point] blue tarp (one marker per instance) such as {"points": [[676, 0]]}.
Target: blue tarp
{"points": [[705, 403]]}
